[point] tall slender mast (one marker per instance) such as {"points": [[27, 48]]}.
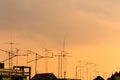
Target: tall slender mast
{"points": [[62, 59], [11, 54], [64, 55], [47, 51]]}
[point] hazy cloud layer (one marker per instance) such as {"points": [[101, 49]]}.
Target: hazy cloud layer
{"points": [[82, 21]]}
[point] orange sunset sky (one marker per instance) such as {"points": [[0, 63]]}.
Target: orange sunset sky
{"points": [[91, 29]]}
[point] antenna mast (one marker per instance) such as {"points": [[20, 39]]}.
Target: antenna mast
{"points": [[47, 51], [63, 59], [11, 54], [37, 57]]}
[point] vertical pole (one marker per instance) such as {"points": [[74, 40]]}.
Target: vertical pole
{"points": [[58, 66], [11, 43], [64, 64], [29, 73], [17, 56], [9, 67], [80, 69], [36, 65], [46, 61], [87, 70], [76, 72], [61, 63], [64, 75], [63, 56], [10, 58]]}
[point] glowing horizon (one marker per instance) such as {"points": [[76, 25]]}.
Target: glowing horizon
{"points": [[91, 29]]}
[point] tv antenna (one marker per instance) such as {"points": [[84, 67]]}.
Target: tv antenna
{"points": [[47, 52], [63, 59], [37, 57]]}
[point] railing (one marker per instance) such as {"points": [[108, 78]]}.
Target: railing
{"points": [[6, 72]]}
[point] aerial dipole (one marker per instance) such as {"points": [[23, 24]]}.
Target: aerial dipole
{"points": [[64, 55], [59, 64], [11, 54], [63, 59], [62, 66], [37, 57], [47, 51]]}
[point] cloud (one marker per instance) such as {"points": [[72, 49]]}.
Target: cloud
{"points": [[44, 23], [85, 22]]}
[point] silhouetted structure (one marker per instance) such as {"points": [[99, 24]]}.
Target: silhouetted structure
{"points": [[1, 65], [115, 76], [44, 76], [67, 79], [98, 78], [26, 70], [49, 76], [17, 73]]}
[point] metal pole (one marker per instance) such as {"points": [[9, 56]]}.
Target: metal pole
{"points": [[58, 66], [61, 64], [36, 65], [76, 72], [87, 70], [80, 69]]}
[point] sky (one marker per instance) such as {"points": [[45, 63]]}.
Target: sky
{"points": [[91, 30]]}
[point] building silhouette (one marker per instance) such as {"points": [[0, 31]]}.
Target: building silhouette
{"points": [[98, 78], [115, 76]]}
